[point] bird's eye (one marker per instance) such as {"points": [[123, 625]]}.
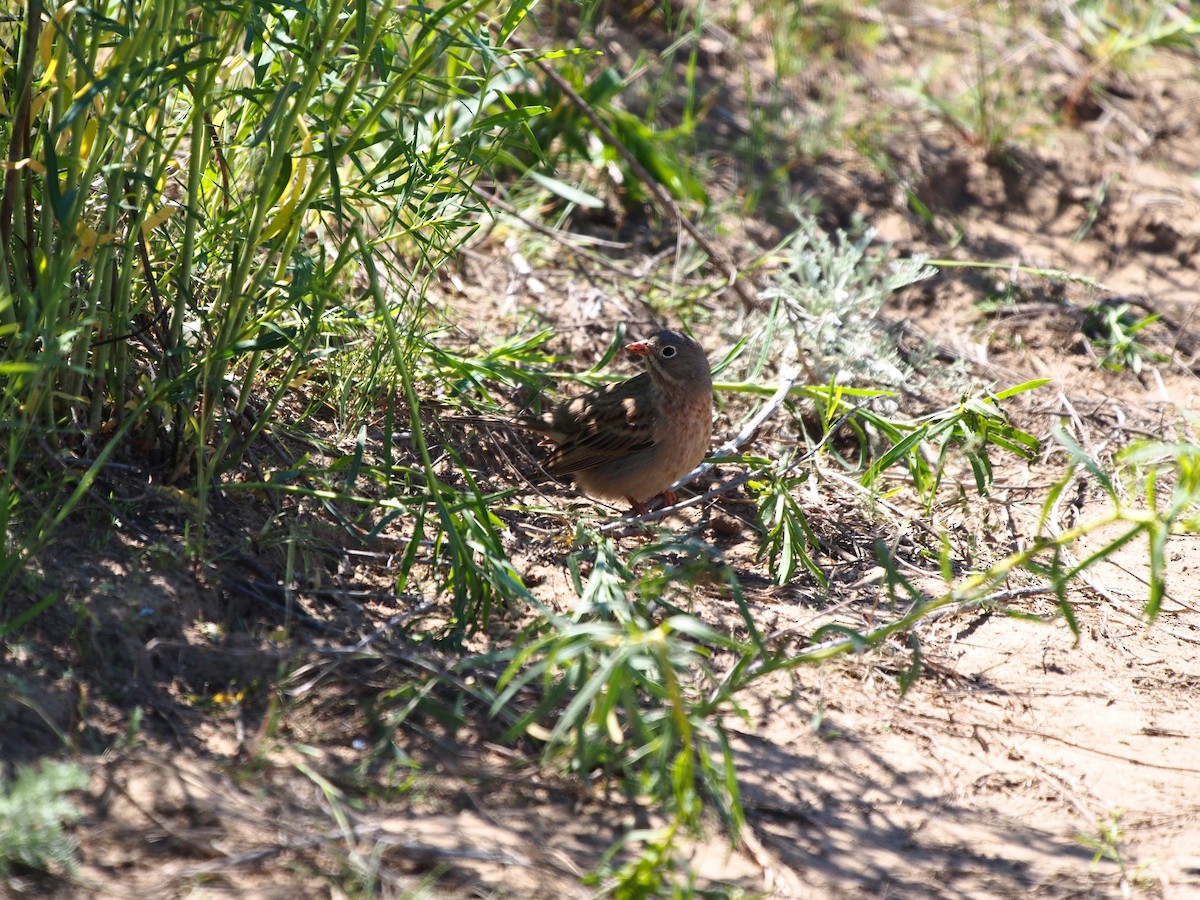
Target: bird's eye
{"points": [[668, 352]]}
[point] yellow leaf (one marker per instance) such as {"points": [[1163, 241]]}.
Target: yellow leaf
{"points": [[156, 218], [18, 164], [51, 71], [49, 32], [614, 727], [89, 138], [295, 190], [87, 240], [39, 101], [179, 496]]}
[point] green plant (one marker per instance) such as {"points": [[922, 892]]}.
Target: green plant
{"points": [[33, 813], [624, 692], [1113, 328], [800, 31], [788, 541], [991, 112], [201, 184], [1166, 502], [1117, 36], [825, 303], [1107, 840], [974, 427], [584, 121], [654, 868]]}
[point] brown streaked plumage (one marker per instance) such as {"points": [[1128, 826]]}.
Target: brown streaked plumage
{"points": [[634, 438]]}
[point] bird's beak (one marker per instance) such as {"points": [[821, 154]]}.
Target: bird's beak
{"points": [[638, 348]]}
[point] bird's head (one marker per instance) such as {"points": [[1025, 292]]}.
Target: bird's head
{"points": [[675, 361]]}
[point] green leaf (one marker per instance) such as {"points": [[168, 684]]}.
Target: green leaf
{"points": [[1077, 454], [1158, 535], [894, 454], [1030, 385], [509, 117], [567, 192], [513, 17]]}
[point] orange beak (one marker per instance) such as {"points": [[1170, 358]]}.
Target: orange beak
{"points": [[640, 348]]}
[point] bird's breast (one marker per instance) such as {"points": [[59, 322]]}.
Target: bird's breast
{"points": [[685, 432]]}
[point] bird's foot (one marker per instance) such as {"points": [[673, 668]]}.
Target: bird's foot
{"points": [[640, 508]]}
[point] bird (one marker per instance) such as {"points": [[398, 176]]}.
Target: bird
{"points": [[634, 438]]}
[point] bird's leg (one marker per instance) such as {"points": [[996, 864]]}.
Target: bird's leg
{"points": [[639, 508]]}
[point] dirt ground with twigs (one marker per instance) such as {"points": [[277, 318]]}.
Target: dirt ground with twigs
{"points": [[1022, 762]]}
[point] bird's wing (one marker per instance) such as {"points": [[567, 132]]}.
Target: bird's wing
{"points": [[614, 421]]}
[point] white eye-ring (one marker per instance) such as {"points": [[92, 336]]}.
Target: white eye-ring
{"points": [[668, 352]]}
